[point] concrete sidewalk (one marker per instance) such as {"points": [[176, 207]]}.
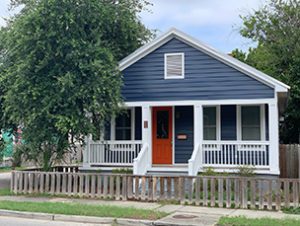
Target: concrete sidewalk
{"points": [[178, 214]]}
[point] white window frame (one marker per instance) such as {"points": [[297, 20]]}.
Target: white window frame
{"points": [[218, 122], [262, 121], [132, 125], [165, 65]]}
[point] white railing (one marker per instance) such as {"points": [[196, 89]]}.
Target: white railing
{"points": [[113, 153], [140, 164], [194, 161], [235, 153]]}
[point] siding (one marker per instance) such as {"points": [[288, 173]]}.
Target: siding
{"points": [[228, 122], [205, 78], [184, 125]]}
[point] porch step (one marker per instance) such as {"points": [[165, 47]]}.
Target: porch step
{"points": [[154, 173], [168, 171]]}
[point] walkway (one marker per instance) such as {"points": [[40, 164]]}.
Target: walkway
{"points": [[179, 214]]}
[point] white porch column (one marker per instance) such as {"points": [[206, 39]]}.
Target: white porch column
{"points": [[198, 129], [146, 130], [86, 152], [274, 138]]}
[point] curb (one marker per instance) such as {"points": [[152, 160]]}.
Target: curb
{"points": [[75, 218]]}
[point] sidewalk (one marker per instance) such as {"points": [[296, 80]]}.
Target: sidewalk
{"points": [[179, 214]]}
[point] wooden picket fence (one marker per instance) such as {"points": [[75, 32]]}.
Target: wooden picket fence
{"points": [[214, 191]]}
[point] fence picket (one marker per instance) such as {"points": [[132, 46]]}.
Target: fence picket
{"points": [[206, 191], [220, 192], [228, 193], [212, 192]]}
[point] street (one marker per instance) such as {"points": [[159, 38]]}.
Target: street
{"points": [[14, 221]]}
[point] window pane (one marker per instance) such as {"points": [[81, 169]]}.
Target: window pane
{"points": [[124, 119], [251, 115], [123, 134], [209, 116], [209, 122], [251, 133], [162, 131], [123, 126], [250, 122], [209, 133]]}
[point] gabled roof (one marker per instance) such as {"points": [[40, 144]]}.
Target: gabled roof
{"points": [[226, 59]]}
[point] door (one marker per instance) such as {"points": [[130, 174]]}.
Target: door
{"points": [[162, 135]]}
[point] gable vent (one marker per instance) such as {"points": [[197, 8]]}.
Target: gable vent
{"points": [[174, 65]]}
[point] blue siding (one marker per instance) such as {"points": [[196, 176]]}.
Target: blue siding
{"points": [[228, 122], [184, 125], [205, 78]]}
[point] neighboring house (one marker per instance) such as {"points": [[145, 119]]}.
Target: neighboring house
{"points": [[188, 107]]}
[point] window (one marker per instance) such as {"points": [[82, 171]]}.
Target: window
{"points": [[174, 65], [123, 126], [210, 123], [250, 120]]}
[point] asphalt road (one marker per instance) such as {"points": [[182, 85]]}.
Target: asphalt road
{"points": [[5, 180], [14, 221]]}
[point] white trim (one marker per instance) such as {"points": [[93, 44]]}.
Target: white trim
{"points": [[225, 58], [238, 123], [201, 102], [132, 123], [262, 122], [218, 122], [182, 66], [173, 135]]}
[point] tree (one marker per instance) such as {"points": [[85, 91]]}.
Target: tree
{"points": [[276, 30], [59, 69]]}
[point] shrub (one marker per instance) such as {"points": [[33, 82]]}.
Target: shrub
{"points": [[246, 171]]}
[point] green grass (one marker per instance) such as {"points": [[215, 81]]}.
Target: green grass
{"points": [[5, 191], [291, 210], [243, 221], [8, 169], [82, 210]]}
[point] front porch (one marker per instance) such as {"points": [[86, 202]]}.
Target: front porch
{"points": [[188, 137]]}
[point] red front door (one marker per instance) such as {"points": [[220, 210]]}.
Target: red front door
{"points": [[162, 135]]}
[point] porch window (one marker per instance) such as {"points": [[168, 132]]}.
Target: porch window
{"points": [[123, 126], [250, 119], [209, 123]]}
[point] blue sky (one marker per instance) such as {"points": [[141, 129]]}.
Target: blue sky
{"points": [[215, 22]]}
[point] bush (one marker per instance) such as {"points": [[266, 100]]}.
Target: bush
{"points": [[246, 171]]}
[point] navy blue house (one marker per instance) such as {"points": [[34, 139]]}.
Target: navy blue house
{"points": [[188, 107]]}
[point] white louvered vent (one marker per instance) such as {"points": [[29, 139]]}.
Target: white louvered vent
{"points": [[174, 65]]}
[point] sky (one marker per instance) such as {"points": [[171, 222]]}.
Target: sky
{"points": [[214, 22]]}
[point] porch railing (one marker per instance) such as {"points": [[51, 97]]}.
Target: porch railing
{"points": [[116, 153], [235, 153], [140, 164], [193, 163]]}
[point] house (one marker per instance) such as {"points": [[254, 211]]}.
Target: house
{"points": [[189, 107]]}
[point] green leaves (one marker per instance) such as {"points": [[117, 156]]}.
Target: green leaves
{"points": [[58, 68]]}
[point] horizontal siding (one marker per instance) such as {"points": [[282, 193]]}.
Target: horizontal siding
{"points": [[184, 125], [205, 78], [228, 122]]}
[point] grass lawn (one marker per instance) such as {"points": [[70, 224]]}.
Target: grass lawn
{"points": [[292, 210], [5, 191], [243, 221], [83, 210]]}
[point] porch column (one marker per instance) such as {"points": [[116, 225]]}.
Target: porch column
{"points": [[274, 138], [86, 152], [198, 129], [146, 129]]}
